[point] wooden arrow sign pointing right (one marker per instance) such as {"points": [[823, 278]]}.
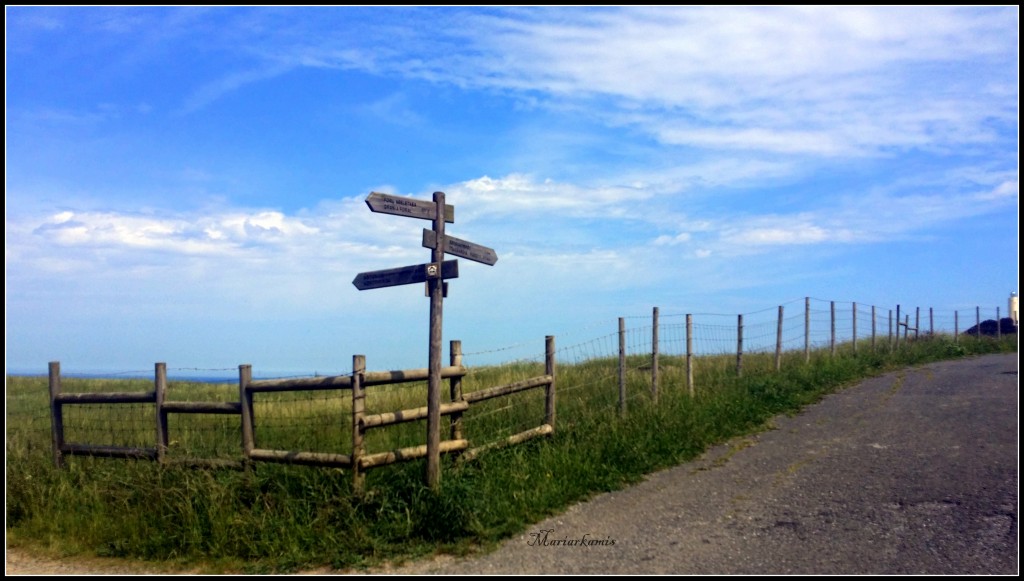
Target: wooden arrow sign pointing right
{"points": [[461, 248]]}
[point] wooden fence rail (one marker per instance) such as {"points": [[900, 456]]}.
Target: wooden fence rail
{"points": [[358, 460]]}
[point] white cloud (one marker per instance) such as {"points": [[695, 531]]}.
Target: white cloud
{"points": [[865, 218], [56, 116], [223, 234], [62, 217], [822, 81], [517, 193], [342, 230], [770, 140], [1005, 189], [531, 217], [817, 81], [394, 108], [708, 57], [666, 240], [229, 83], [793, 234]]}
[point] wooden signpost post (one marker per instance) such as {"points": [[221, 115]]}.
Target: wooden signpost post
{"points": [[433, 273]]}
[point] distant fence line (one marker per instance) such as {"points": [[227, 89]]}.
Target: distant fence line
{"points": [[864, 325], [716, 333], [759, 332], [776, 330]]}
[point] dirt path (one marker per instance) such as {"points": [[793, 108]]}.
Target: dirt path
{"points": [[22, 562], [914, 472], [910, 473]]}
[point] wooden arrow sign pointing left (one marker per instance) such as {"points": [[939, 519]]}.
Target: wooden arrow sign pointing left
{"points": [[408, 207], [406, 275]]}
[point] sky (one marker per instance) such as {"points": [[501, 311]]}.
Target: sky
{"points": [[188, 184]]}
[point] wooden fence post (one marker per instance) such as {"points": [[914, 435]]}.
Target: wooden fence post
{"points": [[654, 356], [739, 346], [549, 369], [455, 387], [160, 385], [917, 321], [807, 329], [56, 415], [622, 365], [855, 328], [906, 327], [832, 341], [999, 325], [977, 316], [874, 321], [956, 326], [248, 419], [897, 326], [358, 410], [778, 343], [689, 354], [931, 322], [890, 329]]}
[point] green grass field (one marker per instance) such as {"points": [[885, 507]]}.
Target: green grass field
{"points": [[278, 518]]}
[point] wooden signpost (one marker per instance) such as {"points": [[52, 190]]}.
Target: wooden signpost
{"points": [[461, 248], [433, 273], [405, 275], [408, 207]]}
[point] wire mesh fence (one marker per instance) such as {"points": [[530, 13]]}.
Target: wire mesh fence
{"points": [[608, 370]]}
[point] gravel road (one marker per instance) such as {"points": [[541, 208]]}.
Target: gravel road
{"points": [[914, 472]]}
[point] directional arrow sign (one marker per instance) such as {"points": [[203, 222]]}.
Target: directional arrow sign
{"points": [[409, 207], [461, 248], [405, 275]]}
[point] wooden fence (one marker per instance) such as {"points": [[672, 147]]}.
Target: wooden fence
{"points": [[357, 459]]}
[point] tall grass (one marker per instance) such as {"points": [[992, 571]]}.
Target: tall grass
{"points": [[272, 517]]}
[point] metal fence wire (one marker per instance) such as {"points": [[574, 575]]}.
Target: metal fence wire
{"points": [[321, 420]]}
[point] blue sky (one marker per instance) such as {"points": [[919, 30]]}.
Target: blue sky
{"points": [[187, 184]]}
